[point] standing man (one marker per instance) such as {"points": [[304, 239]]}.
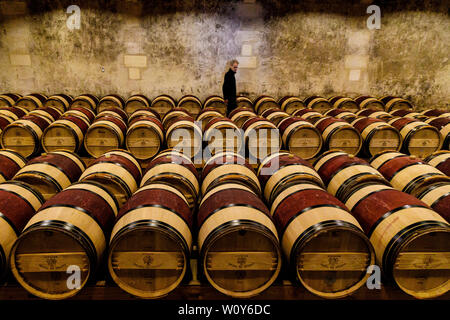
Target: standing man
{"points": [[229, 86]]}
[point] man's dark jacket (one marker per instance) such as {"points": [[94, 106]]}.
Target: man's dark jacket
{"points": [[229, 90]]}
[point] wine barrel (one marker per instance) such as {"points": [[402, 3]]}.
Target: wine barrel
{"points": [[338, 134], [229, 167], [151, 242], [10, 163], [397, 103], [263, 103], [114, 112], [105, 134], [87, 101], [175, 169], [261, 138], [24, 135], [191, 104], [67, 234], [407, 114], [79, 112], [52, 172], [4, 122], [238, 244], [244, 102], [440, 160], [411, 241], [143, 113], [366, 102], [318, 104], [342, 173], [8, 99], [281, 170], [170, 116], [324, 244], [419, 138], [207, 114], [291, 104], [222, 135], [377, 135], [437, 196], [52, 114], [435, 113], [300, 137], [216, 103], [162, 104], [274, 115], [345, 103], [184, 135], [373, 113], [118, 171], [67, 134], [110, 101], [137, 102], [307, 114], [406, 173], [60, 101], [443, 125], [240, 115], [145, 137], [31, 102], [14, 113], [18, 203], [341, 114]]}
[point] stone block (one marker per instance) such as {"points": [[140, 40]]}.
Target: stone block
{"points": [[247, 62], [20, 59], [246, 50], [134, 73], [356, 61], [135, 61]]}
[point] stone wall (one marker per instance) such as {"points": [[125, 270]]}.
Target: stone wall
{"points": [[182, 47]]}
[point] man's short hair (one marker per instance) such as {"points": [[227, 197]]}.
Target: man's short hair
{"points": [[232, 62]]}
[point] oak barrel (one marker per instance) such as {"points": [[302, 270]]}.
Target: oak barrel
{"points": [[67, 133], [207, 114], [80, 112], [170, 116], [10, 163], [290, 104], [86, 100], [440, 160], [151, 241], [341, 114], [281, 170], [318, 104], [406, 173], [411, 241], [229, 167], [244, 102], [274, 115], [342, 173], [397, 103], [307, 114], [118, 171], [262, 138], [443, 125], [110, 101], [338, 134], [373, 113], [67, 234], [240, 115], [24, 135], [137, 102], [300, 137], [60, 101], [238, 244], [345, 103], [377, 135], [367, 102], [177, 170], [435, 113], [106, 133], [222, 135], [419, 138], [143, 113], [191, 103], [162, 104], [52, 172], [263, 103], [31, 102], [14, 112], [52, 114], [326, 248], [145, 137], [8, 99], [216, 103], [18, 203], [184, 135]]}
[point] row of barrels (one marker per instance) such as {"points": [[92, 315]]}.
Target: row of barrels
{"points": [[243, 222], [164, 103]]}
